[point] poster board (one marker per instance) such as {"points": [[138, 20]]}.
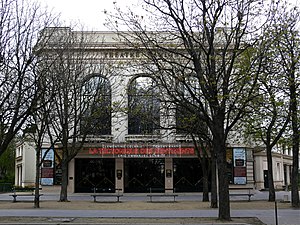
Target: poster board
{"points": [[47, 168]]}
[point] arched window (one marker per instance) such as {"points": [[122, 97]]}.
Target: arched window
{"points": [[96, 103], [144, 106], [187, 110]]}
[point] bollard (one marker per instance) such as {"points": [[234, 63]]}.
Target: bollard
{"points": [[276, 215]]}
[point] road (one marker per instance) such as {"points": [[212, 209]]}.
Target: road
{"points": [[286, 216]]}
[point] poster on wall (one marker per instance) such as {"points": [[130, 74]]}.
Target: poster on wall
{"points": [[239, 157], [47, 168], [239, 165], [240, 180]]}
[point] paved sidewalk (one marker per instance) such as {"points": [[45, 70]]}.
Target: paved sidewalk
{"points": [[187, 210], [287, 217]]}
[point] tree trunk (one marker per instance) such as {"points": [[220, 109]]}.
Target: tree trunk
{"points": [[270, 174], [295, 178], [295, 141], [219, 148], [224, 206], [214, 189], [205, 171], [37, 180], [64, 182], [295, 168]]}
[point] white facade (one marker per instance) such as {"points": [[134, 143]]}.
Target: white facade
{"points": [[113, 53], [282, 165], [25, 164]]}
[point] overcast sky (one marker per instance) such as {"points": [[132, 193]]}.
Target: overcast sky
{"points": [[90, 13]]}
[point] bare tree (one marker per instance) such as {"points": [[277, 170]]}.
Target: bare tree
{"points": [[276, 102], [81, 93], [287, 44], [188, 124], [204, 46], [270, 113], [38, 129], [20, 22]]}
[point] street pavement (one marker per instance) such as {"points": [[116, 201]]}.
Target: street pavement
{"points": [[287, 216]]}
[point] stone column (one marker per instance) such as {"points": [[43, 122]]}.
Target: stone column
{"points": [[119, 175], [71, 176], [168, 174]]}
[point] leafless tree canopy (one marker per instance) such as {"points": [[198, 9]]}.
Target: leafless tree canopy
{"points": [[80, 92], [211, 50], [20, 23]]}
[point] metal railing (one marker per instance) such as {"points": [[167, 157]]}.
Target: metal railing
{"points": [[6, 187]]}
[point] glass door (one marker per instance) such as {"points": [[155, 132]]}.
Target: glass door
{"points": [[94, 175], [143, 174], [188, 176]]}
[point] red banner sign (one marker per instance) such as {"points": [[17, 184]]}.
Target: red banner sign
{"points": [[142, 151], [47, 173], [240, 172]]}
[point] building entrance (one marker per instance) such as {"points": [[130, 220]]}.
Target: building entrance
{"points": [[94, 173], [143, 174], [188, 175]]}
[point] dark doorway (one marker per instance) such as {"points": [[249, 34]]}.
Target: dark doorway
{"points": [[188, 175], [266, 179], [94, 175], [143, 174]]}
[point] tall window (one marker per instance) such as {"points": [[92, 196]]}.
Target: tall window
{"points": [[144, 106], [97, 104], [188, 98]]}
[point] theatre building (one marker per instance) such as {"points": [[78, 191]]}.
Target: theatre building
{"points": [[136, 168], [128, 146]]}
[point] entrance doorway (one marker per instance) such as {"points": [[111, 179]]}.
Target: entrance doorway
{"points": [[94, 175], [188, 175], [143, 174]]}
